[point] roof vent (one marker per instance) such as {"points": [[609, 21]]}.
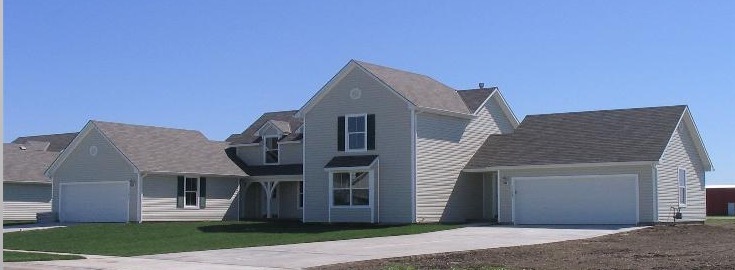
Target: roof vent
{"points": [[23, 148], [481, 85]]}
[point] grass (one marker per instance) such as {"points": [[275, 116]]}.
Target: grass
{"points": [[17, 222], [167, 237], [720, 220], [13, 256]]}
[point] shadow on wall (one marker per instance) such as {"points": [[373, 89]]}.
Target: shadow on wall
{"points": [[465, 201], [289, 227]]}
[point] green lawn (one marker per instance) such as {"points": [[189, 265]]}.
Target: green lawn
{"points": [[720, 220], [12, 256], [17, 222], [167, 237]]}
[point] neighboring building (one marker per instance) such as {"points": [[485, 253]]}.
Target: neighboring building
{"points": [[719, 198], [381, 145], [57, 142], [115, 172], [26, 190]]}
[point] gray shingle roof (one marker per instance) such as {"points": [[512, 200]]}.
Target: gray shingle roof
{"points": [[625, 135], [286, 169], [351, 161], [420, 90], [283, 119], [474, 98], [26, 165], [57, 141], [158, 149]]}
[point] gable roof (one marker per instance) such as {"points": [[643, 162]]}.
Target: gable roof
{"points": [[421, 90], [284, 120], [26, 165], [626, 135], [163, 150], [57, 141], [417, 90], [474, 98]]}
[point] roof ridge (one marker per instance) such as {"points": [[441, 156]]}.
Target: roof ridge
{"points": [[146, 126], [52, 134], [285, 111], [609, 110]]}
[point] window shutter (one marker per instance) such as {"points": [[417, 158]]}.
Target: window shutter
{"points": [[341, 133], [180, 193], [202, 193], [371, 132]]}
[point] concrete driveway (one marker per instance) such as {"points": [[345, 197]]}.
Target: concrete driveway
{"points": [[298, 256]]}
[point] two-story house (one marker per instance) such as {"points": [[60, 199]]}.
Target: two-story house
{"points": [[381, 145]]}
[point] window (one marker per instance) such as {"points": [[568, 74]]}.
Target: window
{"points": [[191, 192], [270, 146], [356, 132], [682, 187], [350, 189], [301, 195]]}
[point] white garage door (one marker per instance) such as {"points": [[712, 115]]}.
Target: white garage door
{"points": [[588, 199], [94, 202]]}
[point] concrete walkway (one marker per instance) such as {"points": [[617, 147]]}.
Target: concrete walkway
{"points": [[35, 226], [298, 256]]}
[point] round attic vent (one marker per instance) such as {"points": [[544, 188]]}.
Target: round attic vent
{"points": [[93, 150], [355, 93]]}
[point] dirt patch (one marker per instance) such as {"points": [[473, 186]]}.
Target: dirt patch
{"points": [[659, 247]]}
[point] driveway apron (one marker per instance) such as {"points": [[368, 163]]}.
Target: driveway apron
{"points": [[298, 256]]}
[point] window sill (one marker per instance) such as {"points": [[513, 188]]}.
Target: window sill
{"points": [[352, 207], [191, 208]]}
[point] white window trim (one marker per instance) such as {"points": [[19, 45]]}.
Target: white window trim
{"points": [[347, 133], [199, 187], [679, 187], [300, 195], [265, 150], [370, 189]]}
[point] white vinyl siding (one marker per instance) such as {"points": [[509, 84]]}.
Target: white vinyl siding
{"points": [[291, 153], [160, 193], [681, 153], [22, 201], [444, 145], [645, 185], [107, 165], [393, 146]]}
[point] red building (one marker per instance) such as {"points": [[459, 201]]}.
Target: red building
{"points": [[718, 196]]}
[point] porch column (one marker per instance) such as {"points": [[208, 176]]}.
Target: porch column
{"points": [[269, 187]]}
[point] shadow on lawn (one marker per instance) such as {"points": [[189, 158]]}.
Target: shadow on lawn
{"points": [[289, 227]]}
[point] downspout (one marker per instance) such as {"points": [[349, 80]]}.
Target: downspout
{"points": [[654, 180]]}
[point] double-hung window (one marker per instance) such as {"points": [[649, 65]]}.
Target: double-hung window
{"points": [[356, 132], [270, 149], [682, 175], [351, 189], [191, 192]]}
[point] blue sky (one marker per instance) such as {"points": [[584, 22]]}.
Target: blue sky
{"points": [[215, 66]]}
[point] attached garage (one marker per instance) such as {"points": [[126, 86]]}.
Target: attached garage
{"points": [[582, 199], [94, 202]]}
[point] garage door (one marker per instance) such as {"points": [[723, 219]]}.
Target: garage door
{"points": [[589, 199], [94, 202]]}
